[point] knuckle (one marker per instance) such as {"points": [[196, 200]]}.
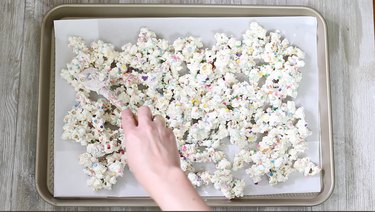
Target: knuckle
{"points": [[164, 133], [126, 123], [144, 108], [148, 127], [170, 133], [126, 114]]}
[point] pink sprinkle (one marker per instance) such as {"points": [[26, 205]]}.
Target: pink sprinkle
{"points": [[183, 148], [175, 58]]}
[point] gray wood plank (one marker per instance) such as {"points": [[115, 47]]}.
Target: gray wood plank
{"points": [[334, 16], [11, 31], [24, 194], [352, 137]]}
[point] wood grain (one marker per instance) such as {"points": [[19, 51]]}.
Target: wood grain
{"points": [[11, 33], [351, 45], [23, 192]]}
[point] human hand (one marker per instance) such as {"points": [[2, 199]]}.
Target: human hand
{"points": [[153, 159], [151, 146]]}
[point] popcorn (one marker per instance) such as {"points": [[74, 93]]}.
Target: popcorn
{"points": [[194, 179], [238, 92], [224, 164], [305, 166]]}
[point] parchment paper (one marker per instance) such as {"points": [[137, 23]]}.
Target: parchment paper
{"points": [[70, 181]]}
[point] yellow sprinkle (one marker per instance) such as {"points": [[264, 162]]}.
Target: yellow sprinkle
{"points": [[195, 101], [227, 110], [205, 105], [238, 61], [250, 50], [123, 67], [251, 138]]}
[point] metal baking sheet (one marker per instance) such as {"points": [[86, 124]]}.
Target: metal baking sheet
{"points": [[46, 99]]}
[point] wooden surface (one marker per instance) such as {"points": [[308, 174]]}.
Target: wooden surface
{"points": [[352, 61]]}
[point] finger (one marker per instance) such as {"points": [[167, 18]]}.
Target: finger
{"points": [[144, 115], [171, 135], [159, 120], [128, 121]]}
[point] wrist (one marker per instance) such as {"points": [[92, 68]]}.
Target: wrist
{"points": [[175, 192], [165, 182]]}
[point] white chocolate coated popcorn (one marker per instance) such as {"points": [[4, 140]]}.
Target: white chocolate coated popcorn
{"points": [[238, 92]]}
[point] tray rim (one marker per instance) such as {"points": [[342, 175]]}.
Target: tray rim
{"points": [[41, 156]]}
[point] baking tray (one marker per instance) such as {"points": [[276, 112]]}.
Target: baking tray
{"points": [[44, 151]]}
